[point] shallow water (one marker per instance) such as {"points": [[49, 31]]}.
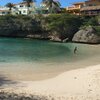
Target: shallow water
{"points": [[26, 59], [25, 50]]}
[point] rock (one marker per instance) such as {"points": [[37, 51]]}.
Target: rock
{"points": [[38, 36], [86, 35], [54, 36], [65, 40]]}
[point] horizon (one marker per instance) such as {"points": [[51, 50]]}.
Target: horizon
{"points": [[64, 3]]}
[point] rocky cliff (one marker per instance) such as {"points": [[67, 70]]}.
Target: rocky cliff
{"points": [[26, 27], [87, 35], [21, 27]]}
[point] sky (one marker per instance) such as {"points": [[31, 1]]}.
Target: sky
{"points": [[64, 3]]}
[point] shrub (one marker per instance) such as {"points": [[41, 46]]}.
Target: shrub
{"points": [[65, 25]]}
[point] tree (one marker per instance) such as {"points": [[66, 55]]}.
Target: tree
{"points": [[93, 21], [63, 25], [53, 6], [28, 3], [10, 6]]}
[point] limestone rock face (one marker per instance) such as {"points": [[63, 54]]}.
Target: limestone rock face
{"points": [[19, 28], [11, 29], [86, 35], [54, 36]]}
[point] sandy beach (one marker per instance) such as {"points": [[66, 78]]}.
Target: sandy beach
{"points": [[36, 71], [80, 84]]}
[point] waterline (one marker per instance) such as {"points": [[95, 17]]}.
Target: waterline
{"points": [[22, 59]]}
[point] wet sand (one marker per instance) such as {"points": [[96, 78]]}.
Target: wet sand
{"points": [[78, 80]]}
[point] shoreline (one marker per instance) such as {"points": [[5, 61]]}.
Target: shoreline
{"points": [[48, 39], [80, 84], [14, 71], [32, 71], [79, 81]]}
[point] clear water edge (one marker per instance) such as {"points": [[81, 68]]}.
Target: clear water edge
{"points": [[25, 59]]}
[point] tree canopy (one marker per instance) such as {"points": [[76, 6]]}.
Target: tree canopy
{"points": [[9, 5]]}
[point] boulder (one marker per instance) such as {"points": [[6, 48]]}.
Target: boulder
{"points": [[86, 35], [54, 36]]}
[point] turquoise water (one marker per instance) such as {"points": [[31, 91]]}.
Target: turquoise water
{"points": [[26, 50], [27, 59]]}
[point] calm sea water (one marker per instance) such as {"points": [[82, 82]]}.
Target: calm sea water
{"points": [[27, 59], [26, 50]]}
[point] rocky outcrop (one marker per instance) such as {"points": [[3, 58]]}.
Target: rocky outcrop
{"points": [[27, 27], [24, 27], [9, 28], [12, 31], [39, 36], [87, 35], [54, 36]]}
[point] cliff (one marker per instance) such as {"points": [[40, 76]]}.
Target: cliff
{"points": [[87, 35], [63, 29], [21, 26]]}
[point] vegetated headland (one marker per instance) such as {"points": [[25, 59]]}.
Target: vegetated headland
{"points": [[61, 27]]}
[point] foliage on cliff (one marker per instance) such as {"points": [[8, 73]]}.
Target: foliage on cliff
{"points": [[64, 25], [92, 21], [18, 25], [61, 26]]}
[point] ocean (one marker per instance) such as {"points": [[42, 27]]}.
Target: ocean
{"points": [[31, 59]]}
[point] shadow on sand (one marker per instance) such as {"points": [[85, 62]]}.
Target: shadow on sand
{"points": [[5, 81]]}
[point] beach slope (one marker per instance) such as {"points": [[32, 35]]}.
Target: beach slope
{"points": [[80, 84]]}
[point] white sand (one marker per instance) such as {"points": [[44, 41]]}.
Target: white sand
{"points": [[79, 84]]}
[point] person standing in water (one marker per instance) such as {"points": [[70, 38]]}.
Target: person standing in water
{"points": [[75, 50]]}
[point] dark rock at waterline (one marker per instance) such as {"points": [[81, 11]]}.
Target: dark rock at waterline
{"points": [[86, 35], [55, 38], [38, 36]]}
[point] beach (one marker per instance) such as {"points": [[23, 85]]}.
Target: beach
{"points": [[72, 85], [79, 81]]}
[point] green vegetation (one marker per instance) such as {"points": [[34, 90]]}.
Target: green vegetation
{"points": [[91, 21], [18, 25], [63, 26], [97, 28], [9, 5]]}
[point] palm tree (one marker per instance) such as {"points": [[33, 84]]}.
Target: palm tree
{"points": [[28, 3], [53, 6], [9, 5]]}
